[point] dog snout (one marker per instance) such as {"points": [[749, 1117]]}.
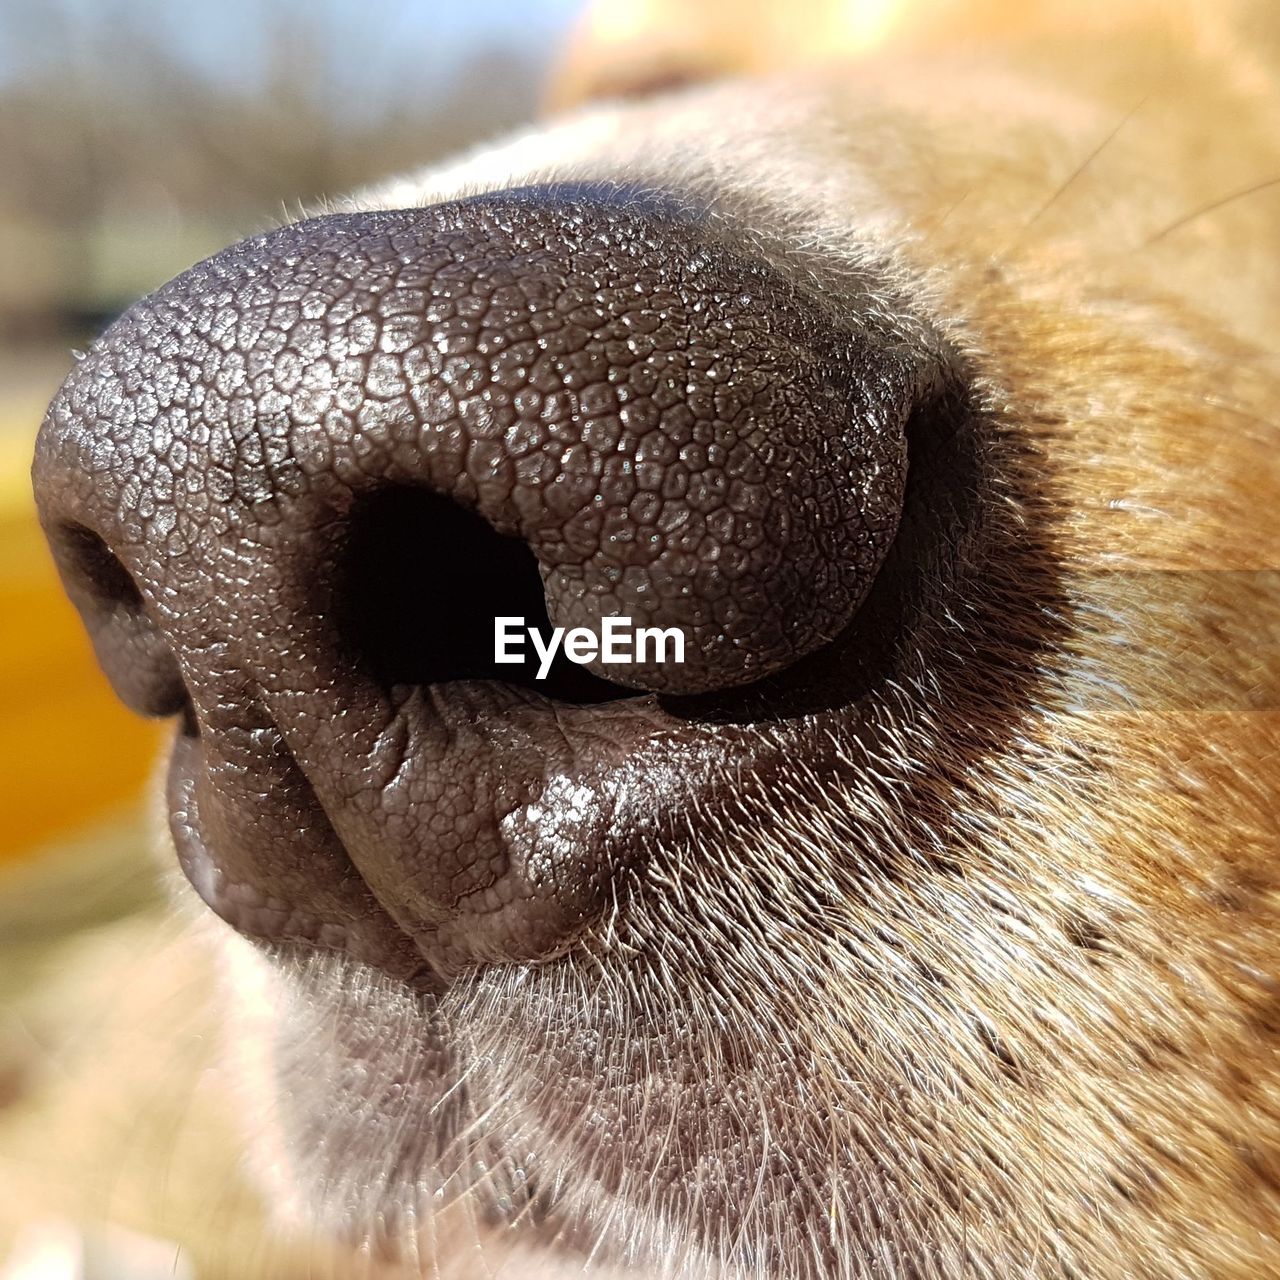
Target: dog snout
{"points": [[294, 492]]}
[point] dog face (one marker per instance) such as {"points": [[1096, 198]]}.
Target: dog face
{"points": [[923, 920]]}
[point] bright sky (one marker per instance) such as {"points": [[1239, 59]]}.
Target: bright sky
{"points": [[228, 40]]}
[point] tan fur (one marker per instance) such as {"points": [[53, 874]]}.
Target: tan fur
{"points": [[1032, 1028]]}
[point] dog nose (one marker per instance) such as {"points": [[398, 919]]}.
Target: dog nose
{"points": [[293, 492]]}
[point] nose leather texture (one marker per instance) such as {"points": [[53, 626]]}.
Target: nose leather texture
{"points": [[675, 430]]}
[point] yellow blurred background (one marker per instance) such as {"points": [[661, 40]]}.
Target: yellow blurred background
{"points": [[69, 754]]}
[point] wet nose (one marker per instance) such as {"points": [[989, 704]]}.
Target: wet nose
{"points": [[295, 492]]}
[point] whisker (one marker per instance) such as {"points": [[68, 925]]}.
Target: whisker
{"points": [[942, 222], [1078, 172], [1211, 207]]}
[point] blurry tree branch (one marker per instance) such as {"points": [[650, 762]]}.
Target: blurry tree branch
{"points": [[103, 120]]}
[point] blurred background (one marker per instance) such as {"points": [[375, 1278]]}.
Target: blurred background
{"points": [[136, 137]]}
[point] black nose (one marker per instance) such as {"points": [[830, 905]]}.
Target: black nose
{"points": [[291, 492]]}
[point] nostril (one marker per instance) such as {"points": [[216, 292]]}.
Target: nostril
{"points": [[421, 583], [128, 644], [89, 559]]}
